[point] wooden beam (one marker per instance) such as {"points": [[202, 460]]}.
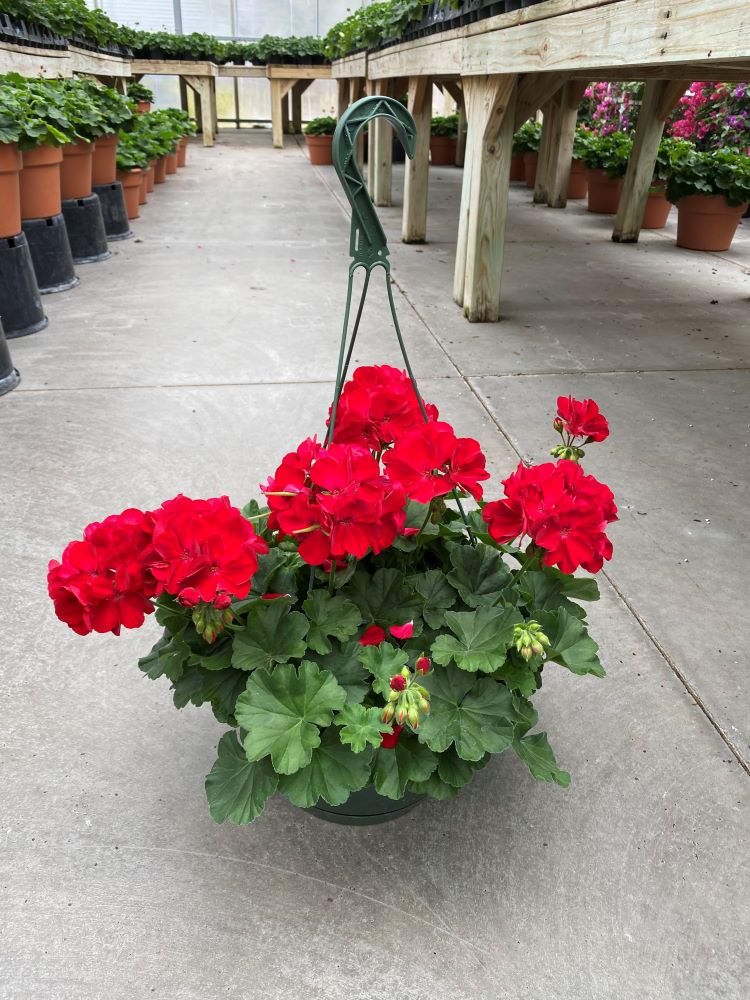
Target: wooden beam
{"points": [[298, 90], [342, 96], [547, 148], [461, 135], [659, 97], [561, 154], [298, 72], [381, 152], [534, 91], [277, 119], [204, 98], [490, 102], [454, 90], [414, 223]]}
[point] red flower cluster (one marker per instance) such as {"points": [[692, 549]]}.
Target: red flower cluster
{"points": [[430, 461], [561, 509], [195, 550], [581, 418], [335, 502], [204, 550], [377, 405], [103, 582]]}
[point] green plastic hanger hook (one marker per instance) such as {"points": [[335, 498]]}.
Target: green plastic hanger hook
{"points": [[367, 243]]}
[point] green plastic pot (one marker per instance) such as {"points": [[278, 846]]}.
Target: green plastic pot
{"points": [[365, 808]]}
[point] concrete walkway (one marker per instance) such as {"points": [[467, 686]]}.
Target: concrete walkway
{"points": [[190, 362]]}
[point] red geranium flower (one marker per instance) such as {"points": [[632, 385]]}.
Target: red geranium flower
{"points": [[390, 740], [377, 405], [561, 509], [205, 546], [104, 583], [372, 636], [430, 461], [581, 418]]}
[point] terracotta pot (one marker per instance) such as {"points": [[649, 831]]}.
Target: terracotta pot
{"points": [[143, 189], [577, 185], [142, 107], [171, 159], [131, 189], [182, 151], [707, 222], [604, 192], [442, 151], [320, 149], [151, 176], [76, 169], [39, 182], [104, 168], [530, 162], [11, 164], [160, 170], [517, 172], [657, 209]]}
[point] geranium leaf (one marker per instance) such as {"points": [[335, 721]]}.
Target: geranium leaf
{"points": [[480, 639], [219, 657], [360, 726], [477, 716], [236, 788], [188, 688], [275, 573], [383, 597], [343, 663], [526, 716], [329, 616], [273, 634], [222, 688], [282, 710], [549, 590], [436, 594], [458, 772], [518, 677], [434, 786], [383, 662], [334, 772], [570, 643], [537, 755], [395, 766], [415, 518], [479, 573], [168, 657]]}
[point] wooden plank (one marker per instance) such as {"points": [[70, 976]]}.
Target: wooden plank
{"points": [[381, 152], [243, 72], [534, 91], [350, 66], [298, 72], [172, 67], [547, 148], [414, 221], [342, 96], [98, 63], [659, 97], [34, 62], [490, 108], [461, 136], [204, 94], [285, 113], [277, 123], [296, 97], [562, 153]]}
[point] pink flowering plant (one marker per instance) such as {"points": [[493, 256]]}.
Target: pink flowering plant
{"points": [[610, 107], [714, 116], [356, 628]]}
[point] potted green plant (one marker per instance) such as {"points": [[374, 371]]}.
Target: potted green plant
{"points": [[365, 641], [132, 161], [606, 158], [142, 96], [577, 183], [319, 139], [443, 140], [11, 113], [711, 191], [526, 145]]}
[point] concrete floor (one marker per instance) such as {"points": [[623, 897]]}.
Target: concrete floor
{"points": [[191, 361]]}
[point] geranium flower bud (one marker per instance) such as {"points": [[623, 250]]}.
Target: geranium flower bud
{"points": [[558, 425], [222, 602], [424, 705], [393, 695], [413, 717], [405, 672], [423, 665], [398, 682], [189, 597], [388, 712]]}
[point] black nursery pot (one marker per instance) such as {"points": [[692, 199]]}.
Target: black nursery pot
{"points": [[365, 808]]}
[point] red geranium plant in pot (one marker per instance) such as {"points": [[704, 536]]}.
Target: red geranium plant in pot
{"points": [[354, 632], [367, 641]]}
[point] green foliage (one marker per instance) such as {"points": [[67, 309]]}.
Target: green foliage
{"points": [[238, 789], [394, 768], [272, 634], [282, 710], [361, 726], [329, 616], [527, 137], [479, 573], [480, 640], [446, 125], [321, 126], [383, 662], [606, 152], [537, 755], [137, 92], [334, 772], [720, 172]]}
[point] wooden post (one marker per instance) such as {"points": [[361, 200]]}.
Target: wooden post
{"points": [[183, 95], [562, 152], [279, 90], [490, 107], [550, 112], [202, 86], [342, 97], [659, 97], [414, 223], [296, 97], [381, 152]]}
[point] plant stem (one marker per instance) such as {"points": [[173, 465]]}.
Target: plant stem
{"points": [[332, 578]]}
